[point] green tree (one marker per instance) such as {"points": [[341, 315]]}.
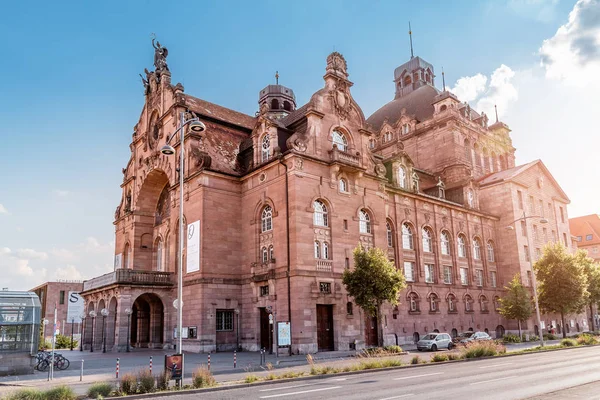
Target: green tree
{"points": [[373, 281], [562, 282], [516, 304], [592, 272]]}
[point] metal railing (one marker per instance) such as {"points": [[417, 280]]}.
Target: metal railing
{"points": [[131, 277]]}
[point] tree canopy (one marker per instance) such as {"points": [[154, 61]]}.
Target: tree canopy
{"points": [[516, 304], [592, 273], [562, 281]]}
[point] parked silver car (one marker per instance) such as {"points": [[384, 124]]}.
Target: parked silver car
{"points": [[435, 341], [475, 336]]}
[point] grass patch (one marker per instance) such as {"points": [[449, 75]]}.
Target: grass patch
{"points": [[381, 351], [568, 342], [439, 357], [202, 377], [454, 357], [510, 338], [162, 380], [25, 394], [482, 349], [586, 339], [128, 384], [251, 378], [99, 390], [146, 382], [59, 393], [415, 360]]}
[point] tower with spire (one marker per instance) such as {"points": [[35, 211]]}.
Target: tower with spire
{"points": [[280, 99], [412, 74]]}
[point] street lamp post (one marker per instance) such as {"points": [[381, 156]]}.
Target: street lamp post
{"points": [[81, 339], [533, 279], [104, 313], [128, 311], [72, 326], [237, 329], [196, 126], [93, 315]]}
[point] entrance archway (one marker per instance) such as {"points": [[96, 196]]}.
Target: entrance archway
{"points": [[416, 337], [499, 331], [454, 333], [147, 321], [111, 321]]}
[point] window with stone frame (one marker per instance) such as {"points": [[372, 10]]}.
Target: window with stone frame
{"points": [[479, 277], [407, 237], [427, 237], [159, 255], [405, 129], [526, 252], [364, 221], [320, 216], [447, 274], [325, 252], [413, 302], [497, 303], [349, 308], [562, 214], [470, 198], [325, 287], [531, 205], [535, 232], [542, 213], [339, 139], [433, 302], [545, 234], [483, 303], [265, 148], [317, 249], [520, 199], [445, 243], [264, 255], [266, 219], [264, 290], [409, 271], [464, 276], [462, 246], [390, 234], [493, 282], [224, 320], [476, 249], [490, 252], [343, 185], [271, 253], [402, 177], [468, 304], [451, 303], [429, 273]]}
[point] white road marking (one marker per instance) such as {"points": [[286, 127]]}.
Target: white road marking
{"points": [[398, 397], [285, 387], [302, 392], [417, 376], [339, 379], [494, 380], [495, 365]]}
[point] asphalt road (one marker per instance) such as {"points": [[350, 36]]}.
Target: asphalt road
{"points": [[503, 378]]}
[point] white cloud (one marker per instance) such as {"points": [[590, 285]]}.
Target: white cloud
{"points": [[23, 268], [61, 193], [64, 255], [573, 53], [468, 88], [3, 210], [4, 250], [69, 272], [31, 254], [540, 10]]}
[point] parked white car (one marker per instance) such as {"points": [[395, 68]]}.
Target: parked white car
{"points": [[435, 341], [476, 336]]}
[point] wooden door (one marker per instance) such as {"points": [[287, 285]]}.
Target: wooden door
{"points": [[325, 327], [371, 337], [264, 329]]}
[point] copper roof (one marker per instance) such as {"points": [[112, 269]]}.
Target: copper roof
{"points": [[418, 103]]}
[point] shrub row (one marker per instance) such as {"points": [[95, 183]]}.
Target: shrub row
{"points": [[57, 393]]}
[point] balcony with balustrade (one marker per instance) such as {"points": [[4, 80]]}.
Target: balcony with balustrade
{"points": [[344, 157], [130, 277]]}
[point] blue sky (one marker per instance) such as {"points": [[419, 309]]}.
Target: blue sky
{"points": [[70, 93]]}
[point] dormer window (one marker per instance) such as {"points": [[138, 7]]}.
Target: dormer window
{"points": [[405, 129], [415, 181], [340, 141], [266, 148], [371, 144], [343, 186], [387, 137], [402, 177]]}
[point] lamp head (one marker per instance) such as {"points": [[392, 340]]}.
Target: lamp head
{"points": [[104, 312], [197, 126], [93, 314], [510, 228], [543, 221], [128, 311], [167, 150]]}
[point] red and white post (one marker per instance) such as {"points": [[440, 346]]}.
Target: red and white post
{"points": [[117, 372], [150, 364]]}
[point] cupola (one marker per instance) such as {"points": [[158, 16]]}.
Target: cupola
{"points": [[280, 99]]}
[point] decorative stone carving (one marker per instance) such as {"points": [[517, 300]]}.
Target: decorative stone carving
{"points": [[203, 160], [160, 56], [341, 99], [407, 212], [336, 64], [461, 225], [299, 165], [427, 217]]}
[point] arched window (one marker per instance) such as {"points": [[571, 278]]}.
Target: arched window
{"points": [[445, 243], [365, 221], [343, 186], [287, 106], [470, 198], [462, 246], [320, 217], [402, 177], [468, 303], [494, 162], [271, 253], [159, 255], [317, 249], [433, 302], [274, 104], [340, 140], [325, 250], [451, 303], [349, 308], [388, 136], [267, 219], [467, 151], [476, 156], [490, 252], [427, 240], [443, 108], [476, 249], [497, 303], [266, 148], [413, 302], [407, 80], [127, 257], [486, 159], [407, 237], [265, 255], [483, 303], [390, 234], [405, 129]]}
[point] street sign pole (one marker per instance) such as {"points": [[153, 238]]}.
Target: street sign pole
{"points": [[53, 345]]}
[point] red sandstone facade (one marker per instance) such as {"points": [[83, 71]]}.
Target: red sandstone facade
{"points": [[57, 293], [284, 197]]}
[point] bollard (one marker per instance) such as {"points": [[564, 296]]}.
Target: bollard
{"points": [[234, 359], [261, 356], [209, 362], [150, 364], [117, 373], [81, 372]]}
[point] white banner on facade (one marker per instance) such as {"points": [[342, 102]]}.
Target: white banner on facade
{"points": [[193, 247], [118, 260], [284, 334], [76, 307]]}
